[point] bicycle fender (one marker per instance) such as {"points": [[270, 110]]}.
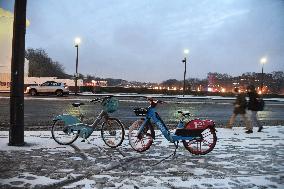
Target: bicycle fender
{"points": [[68, 119]]}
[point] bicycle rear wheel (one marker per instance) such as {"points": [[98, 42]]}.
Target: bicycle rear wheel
{"points": [[144, 140], [203, 145], [61, 134], [112, 132]]}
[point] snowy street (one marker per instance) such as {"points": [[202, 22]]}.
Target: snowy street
{"points": [[239, 160]]}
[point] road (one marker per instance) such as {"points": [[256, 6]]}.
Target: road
{"points": [[39, 111]]}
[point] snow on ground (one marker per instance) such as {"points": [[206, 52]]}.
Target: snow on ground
{"points": [[239, 160]]}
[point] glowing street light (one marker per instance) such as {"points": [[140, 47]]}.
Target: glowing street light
{"points": [[186, 52], [263, 61], [77, 42]]}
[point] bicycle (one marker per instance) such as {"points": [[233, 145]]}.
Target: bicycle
{"points": [[198, 136], [67, 128]]}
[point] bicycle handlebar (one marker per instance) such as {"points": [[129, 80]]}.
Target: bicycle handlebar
{"points": [[184, 113], [95, 100], [100, 99], [154, 103]]}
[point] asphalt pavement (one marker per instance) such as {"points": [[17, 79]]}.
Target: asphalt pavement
{"points": [[40, 110]]}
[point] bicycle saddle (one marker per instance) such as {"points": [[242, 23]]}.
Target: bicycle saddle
{"points": [[184, 114], [77, 104]]}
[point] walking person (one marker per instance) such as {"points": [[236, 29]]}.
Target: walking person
{"points": [[239, 109], [253, 106]]}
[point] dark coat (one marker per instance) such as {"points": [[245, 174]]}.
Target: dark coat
{"points": [[241, 101], [253, 102]]}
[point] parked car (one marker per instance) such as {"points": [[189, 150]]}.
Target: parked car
{"points": [[48, 87]]}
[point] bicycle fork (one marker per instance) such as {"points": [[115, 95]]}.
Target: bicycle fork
{"points": [[141, 128]]}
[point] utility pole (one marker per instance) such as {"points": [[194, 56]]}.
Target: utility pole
{"points": [[186, 52], [262, 79], [16, 133], [76, 76], [262, 62], [184, 61], [77, 42]]}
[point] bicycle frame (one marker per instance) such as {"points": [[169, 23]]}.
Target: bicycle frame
{"points": [[75, 124], [101, 115], [153, 116]]}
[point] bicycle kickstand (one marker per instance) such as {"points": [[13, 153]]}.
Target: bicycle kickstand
{"points": [[173, 154], [85, 139], [176, 147]]}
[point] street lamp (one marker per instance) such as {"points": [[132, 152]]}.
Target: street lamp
{"points": [[186, 51], [263, 61], [77, 42]]}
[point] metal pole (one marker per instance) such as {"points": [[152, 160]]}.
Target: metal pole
{"points": [[76, 77], [16, 133], [262, 78], [184, 61]]}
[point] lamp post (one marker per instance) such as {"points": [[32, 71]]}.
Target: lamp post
{"points": [[186, 51], [77, 42], [262, 62]]}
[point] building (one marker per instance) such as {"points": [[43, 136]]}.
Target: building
{"points": [[5, 75], [6, 36], [96, 83]]}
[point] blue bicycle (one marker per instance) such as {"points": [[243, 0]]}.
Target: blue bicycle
{"points": [[67, 128], [198, 136]]}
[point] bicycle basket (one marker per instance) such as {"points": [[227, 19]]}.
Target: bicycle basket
{"points": [[140, 111], [110, 105]]}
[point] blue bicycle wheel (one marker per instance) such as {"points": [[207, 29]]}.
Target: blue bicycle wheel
{"points": [[61, 134]]}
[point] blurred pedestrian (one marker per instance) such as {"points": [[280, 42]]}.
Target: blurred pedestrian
{"points": [[239, 109], [253, 106]]}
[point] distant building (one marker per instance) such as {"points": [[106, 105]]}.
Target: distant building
{"points": [[95, 83], [212, 82], [6, 36], [5, 75]]}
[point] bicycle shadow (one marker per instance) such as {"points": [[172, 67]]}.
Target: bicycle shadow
{"points": [[79, 152]]}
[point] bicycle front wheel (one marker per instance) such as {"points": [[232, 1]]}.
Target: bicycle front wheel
{"points": [[112, 132], [142, 141], [61, 134]]}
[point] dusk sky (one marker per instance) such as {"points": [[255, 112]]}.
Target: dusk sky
{"points": [[143, 40]]}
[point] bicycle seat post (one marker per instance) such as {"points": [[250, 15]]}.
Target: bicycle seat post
{"points": [[182, 117], [81, 116]]}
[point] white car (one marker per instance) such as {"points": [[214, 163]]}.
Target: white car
{"points": [[48, 87]]}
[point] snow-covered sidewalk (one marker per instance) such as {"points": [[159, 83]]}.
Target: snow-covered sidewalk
{"points": [[239, 160]]}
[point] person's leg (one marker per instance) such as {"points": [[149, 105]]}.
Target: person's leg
{"points": [[231, 121], [254, 119], [247, 122], [257, 122], [251, 122]]}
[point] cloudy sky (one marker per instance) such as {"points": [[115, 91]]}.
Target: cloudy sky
{"points": [[143, 40]]}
